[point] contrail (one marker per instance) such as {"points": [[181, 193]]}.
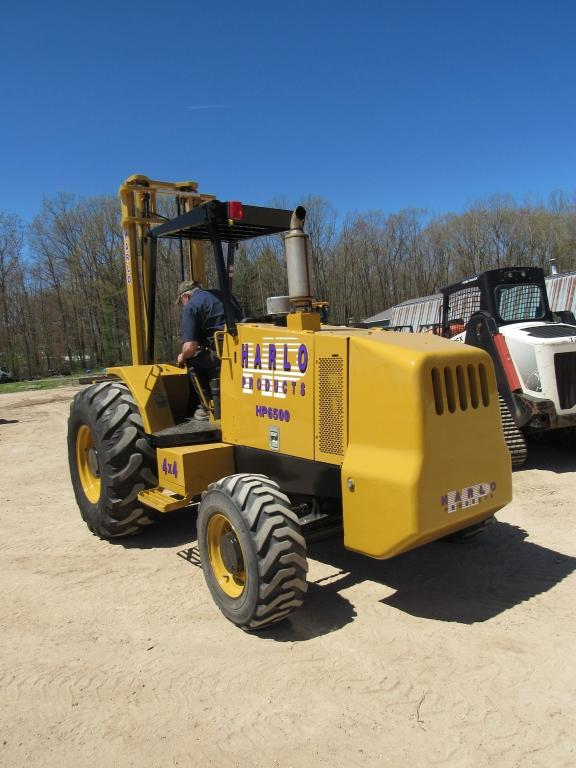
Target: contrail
{"points": [[209, 106]]}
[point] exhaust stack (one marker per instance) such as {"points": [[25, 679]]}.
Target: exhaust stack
{"points": [[298, 262]]}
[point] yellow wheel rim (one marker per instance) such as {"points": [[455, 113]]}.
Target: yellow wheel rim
{"points": [[231, 580], [87, 463]]}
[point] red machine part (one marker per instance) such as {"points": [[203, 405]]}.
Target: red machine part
{"points": [[507, 364], [235, 210]]}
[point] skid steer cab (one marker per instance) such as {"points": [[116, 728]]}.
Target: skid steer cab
{"points": [[506, 313], [297, 444]]}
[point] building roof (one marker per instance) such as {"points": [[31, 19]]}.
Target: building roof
{"points": [[380, 317]]}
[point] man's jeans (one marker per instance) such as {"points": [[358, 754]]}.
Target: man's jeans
{"points": [[206, 365]]}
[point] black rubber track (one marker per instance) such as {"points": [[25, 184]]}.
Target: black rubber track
{"points": [[514, 438], [273, 546], [127, 461]]}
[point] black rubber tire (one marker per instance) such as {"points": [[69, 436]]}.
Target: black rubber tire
{"points": [[127, 461], [273, 547]]}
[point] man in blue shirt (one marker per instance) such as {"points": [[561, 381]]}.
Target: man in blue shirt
{"points": [[202, 315]]}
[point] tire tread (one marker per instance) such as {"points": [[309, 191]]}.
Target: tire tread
{"points": [[127, 460], [279, 545]]}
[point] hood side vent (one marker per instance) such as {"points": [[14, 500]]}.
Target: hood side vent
{"points": [[458, 388]]}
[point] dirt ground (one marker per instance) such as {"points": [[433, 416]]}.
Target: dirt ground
{"points": [[115, 655]]}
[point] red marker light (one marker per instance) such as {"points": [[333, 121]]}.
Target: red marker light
{"points": [[235, 210]]}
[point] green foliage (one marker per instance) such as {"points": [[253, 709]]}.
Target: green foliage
{"points": [[25, 386]]}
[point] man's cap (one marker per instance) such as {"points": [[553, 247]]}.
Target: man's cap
{"points": [[186, 286]]}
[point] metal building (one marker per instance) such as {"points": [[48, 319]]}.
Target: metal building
{"points": [[426, 310]]}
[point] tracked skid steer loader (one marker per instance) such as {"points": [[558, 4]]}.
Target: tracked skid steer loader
{"points": [[506, 312], [392, 439]]}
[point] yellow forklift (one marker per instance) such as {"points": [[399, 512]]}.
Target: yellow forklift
{"points": [[393, 438]]}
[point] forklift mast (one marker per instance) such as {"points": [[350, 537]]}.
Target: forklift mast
{"points": [[139, 204]]}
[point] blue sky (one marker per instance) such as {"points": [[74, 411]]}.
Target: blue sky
{"points": [[370, 104]]}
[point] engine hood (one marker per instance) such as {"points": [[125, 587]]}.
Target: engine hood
{"points": [[540, 333]]}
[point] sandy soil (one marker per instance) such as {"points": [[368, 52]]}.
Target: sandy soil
{"points": [[114, 654]]}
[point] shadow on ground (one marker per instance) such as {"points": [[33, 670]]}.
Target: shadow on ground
{"points": [[552, 454], [174, 529], [466, 581], [325, 610], [8, 421]]}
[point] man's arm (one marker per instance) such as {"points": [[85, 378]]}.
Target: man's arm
{"points": [[190, 342], [189, 349]]}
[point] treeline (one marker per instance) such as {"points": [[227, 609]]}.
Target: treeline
{"points": [[62, 295]]}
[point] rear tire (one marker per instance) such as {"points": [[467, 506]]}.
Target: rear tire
{"points": [[110, 460], [253, 554]]}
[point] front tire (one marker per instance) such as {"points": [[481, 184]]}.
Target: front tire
{"points": [[253, 554], [110, 460]]}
